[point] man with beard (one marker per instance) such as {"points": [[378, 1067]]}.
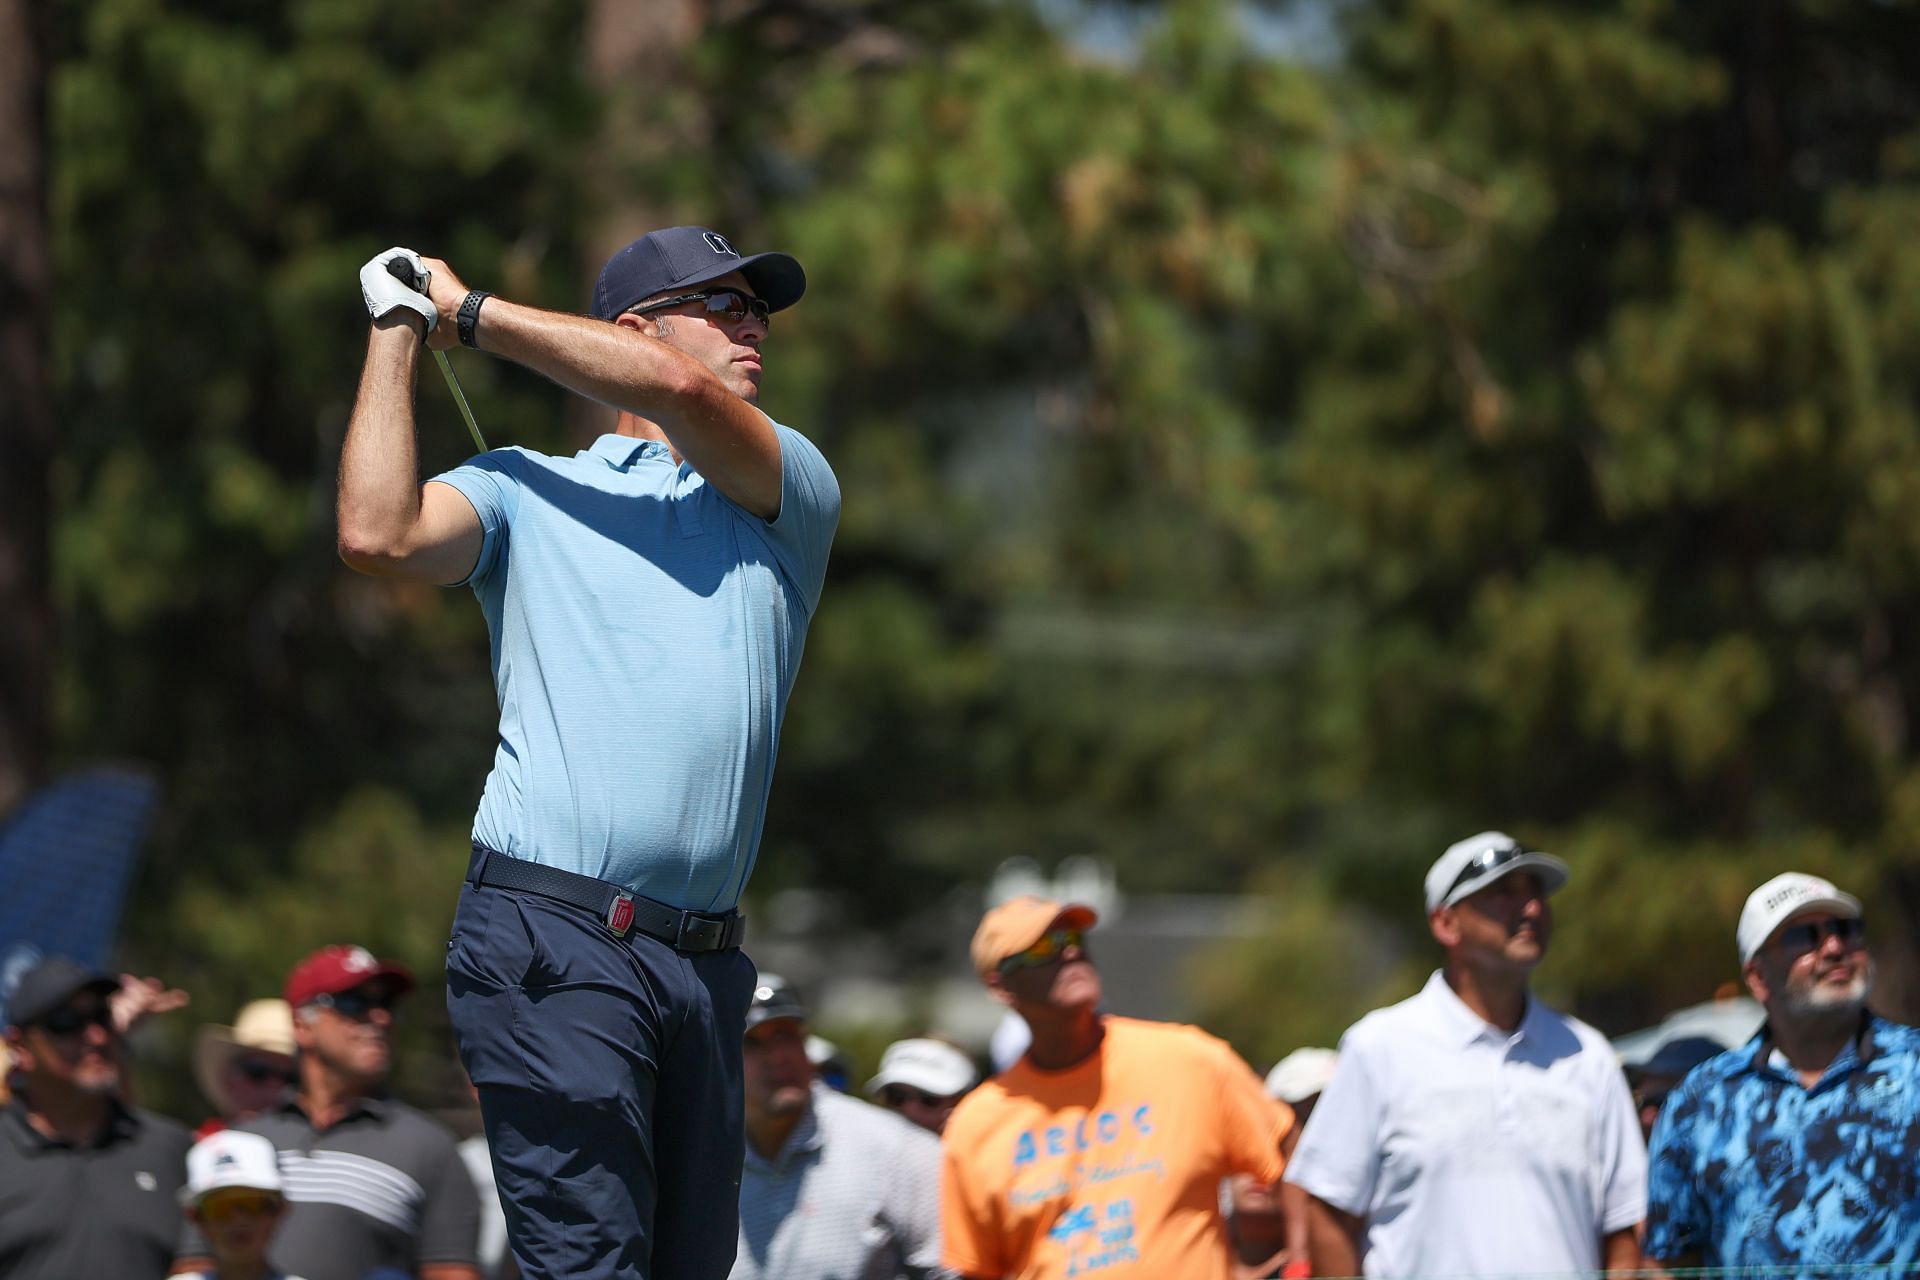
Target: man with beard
{"points": [[1103, 1147], [1796, 1150], [1471, 1130], [87, 1183]]}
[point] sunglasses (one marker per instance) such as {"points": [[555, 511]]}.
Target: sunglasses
{"points": [[1052, 945], [899, 1095], [262, 1072], [71, 1022], [1491, 860], [729, 305], [357, 1004], [1798, 939], [221, 1206]]}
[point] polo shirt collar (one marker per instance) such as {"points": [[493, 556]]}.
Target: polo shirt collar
{"points": [[122, 1124], [621, 452], [806, 1137], [1858, 1052], [374, 1109], [1464, 1025]]}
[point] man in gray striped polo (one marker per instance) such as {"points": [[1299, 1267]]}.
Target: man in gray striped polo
{"points": [[370, 1183], [833, 1187]]}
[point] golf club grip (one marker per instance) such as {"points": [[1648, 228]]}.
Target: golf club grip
{"points": [[402, 270]]}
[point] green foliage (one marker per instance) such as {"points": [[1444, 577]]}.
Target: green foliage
{"points": [[1259, 473]]}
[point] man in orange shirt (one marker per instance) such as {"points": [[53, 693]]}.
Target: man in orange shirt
{"points": [[1103, 1148]]}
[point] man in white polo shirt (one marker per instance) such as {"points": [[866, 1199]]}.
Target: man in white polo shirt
{"points": [[1471, 1130]]}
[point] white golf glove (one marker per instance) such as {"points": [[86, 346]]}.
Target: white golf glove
{"points": [[384, 291]]}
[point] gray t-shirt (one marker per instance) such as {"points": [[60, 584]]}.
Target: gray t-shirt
{"points": [[385, 1187], [109, 1209], [853, 1194]]}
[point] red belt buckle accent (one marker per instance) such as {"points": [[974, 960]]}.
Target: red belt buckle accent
{"points": [[620, 915]]}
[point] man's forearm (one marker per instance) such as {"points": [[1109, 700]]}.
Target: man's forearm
{"points": [[724, 438], [1333, 1239], [1620, 1251], [379, 498]]}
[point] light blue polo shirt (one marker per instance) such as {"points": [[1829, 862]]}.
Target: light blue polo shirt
{"points": [[645, 634]]}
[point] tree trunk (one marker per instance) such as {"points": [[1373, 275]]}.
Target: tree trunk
{"points": [[635, 57], [26, 411]]}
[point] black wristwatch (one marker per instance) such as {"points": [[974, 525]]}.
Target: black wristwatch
{"points": [[470, 316]]}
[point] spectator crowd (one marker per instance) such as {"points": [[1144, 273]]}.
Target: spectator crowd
{"points": [[1468, 1130]]}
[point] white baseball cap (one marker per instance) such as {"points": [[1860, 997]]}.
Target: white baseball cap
{"points": [[1476, 862], [230, 1158], [931, 1066], [1782, 898], [1301, 1074]]}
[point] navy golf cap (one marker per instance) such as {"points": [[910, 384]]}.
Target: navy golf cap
{"points": [[773, 997], [679, 257]]}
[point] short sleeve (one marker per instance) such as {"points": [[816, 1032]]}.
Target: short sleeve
{"points": [[1622, 1154], [491, 483], [450, 1212], [1676, 1215], [1251, 1122], [1338, 1158], [193, 1243], [912, 1199], [802, 533], [969, 1240]]}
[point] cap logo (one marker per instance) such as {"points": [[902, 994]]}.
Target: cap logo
{"points": [[763, 993], [358, 959], [224, 1158], [1785, 894], [718, 243]]}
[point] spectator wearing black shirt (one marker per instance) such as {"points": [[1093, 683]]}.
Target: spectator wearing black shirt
{"points": [[87, 1183]]}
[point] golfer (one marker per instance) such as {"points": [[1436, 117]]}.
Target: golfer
{"points": [[647, 600]]}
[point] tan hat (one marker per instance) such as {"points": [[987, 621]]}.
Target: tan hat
{"points": [[1017, 924], [264, 1026]]}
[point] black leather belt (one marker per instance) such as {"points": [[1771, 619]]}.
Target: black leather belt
{"points": [[621, 912]]}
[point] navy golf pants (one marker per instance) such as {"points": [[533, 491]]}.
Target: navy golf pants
{"points": [[609, 1079]]}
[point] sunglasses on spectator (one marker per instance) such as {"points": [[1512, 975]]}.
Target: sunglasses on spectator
{"points": [[1491, 860], [1051, 947], [1798, 939], [71, 1022], [262, 1072], [220, 1206], [899, 1095], [729, 305], [357, 1003]]}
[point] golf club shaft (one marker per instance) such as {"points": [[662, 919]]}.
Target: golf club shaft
{"points": [[460, 398]]}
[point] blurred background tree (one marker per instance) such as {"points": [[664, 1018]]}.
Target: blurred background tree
{"points": [[1278, 440]]}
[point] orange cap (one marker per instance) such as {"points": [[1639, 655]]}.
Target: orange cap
{"points": [[1017, 924]]}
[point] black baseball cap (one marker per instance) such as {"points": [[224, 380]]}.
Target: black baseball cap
{"points": [[679, 257], [50, 984], [773, 997]]}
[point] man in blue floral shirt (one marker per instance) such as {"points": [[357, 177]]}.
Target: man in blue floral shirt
{"points": [[1801, 1149]]}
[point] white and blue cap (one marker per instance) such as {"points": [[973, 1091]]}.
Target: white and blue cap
{"points": [[227, 1159], [1476, 862]]}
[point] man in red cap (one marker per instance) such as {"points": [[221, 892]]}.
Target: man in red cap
{"points": [[370, 1183], [1104, 1146]]}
